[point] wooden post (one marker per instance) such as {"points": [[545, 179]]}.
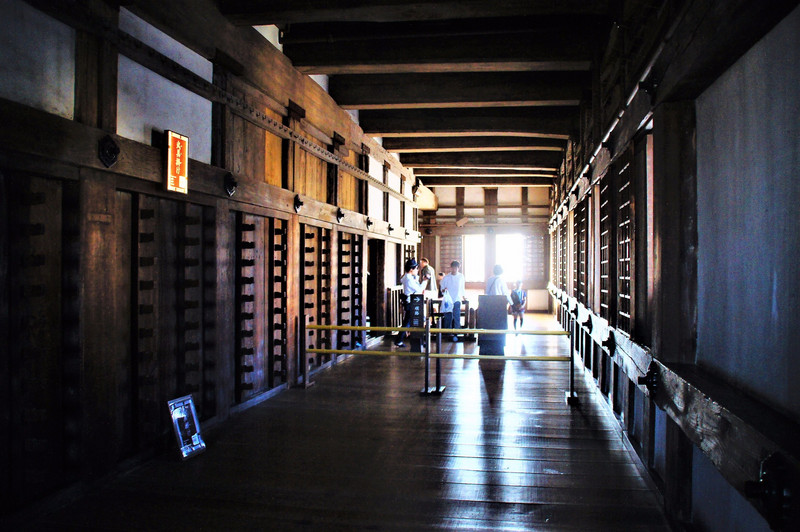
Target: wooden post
{"points": [[674, 325]]}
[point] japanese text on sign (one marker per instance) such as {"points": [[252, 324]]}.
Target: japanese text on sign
{"points": [[177, 162]]}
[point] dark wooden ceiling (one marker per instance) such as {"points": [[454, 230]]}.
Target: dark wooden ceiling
{"points": [[467, 92]]}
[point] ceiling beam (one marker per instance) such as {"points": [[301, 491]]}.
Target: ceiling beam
{"points": [[482, 172], [531, 160], [259, 12], [457, 144], [488, 89], [457, 181], [547, 122], [486, 45], [713, 35]]}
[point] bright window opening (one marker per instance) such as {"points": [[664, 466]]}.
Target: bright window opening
{"points": [[474, 258], [511, 256]]}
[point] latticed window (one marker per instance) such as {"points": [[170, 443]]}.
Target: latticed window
{"points": [[606, 230], [536, 263], [581, 229], [625, 242], [562, 250], [554, 257], [450, 250]]}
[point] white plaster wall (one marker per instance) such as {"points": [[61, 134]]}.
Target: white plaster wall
{"points": [[393, 181], [37, 59], [394, 212], [148, 102], [376, 169], [374, 203], [748, 188], [270, 33], [155, 38], [321, 80]]}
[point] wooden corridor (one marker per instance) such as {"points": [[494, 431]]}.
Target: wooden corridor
{"points": [[362, 450]]}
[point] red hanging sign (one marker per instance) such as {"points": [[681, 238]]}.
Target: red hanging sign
{"points": [[177, 162]]}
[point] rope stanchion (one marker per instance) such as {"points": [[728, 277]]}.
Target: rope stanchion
{"points": [[301, 336], [530, 358], [571, 395], [427, 390], [416, 354]]}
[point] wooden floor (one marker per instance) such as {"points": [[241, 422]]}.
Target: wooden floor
{"points": [[362, 450]]}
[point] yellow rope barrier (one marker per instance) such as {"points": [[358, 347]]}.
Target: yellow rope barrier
{"points": [[362, 328], [433, 330], [572, 398], [356, 352], [544, 358], [498, 331]]}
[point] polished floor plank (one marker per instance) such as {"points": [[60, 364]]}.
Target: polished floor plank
{"points": [[362, 450]]}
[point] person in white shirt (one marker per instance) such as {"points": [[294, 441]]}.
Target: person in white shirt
{"points": [[496, 285], [427, 275], [453, 284], [411, 285]]}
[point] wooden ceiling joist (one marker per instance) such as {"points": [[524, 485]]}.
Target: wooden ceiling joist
{"points": [[493, 45], [493, 89], [530, 160], [258, 12], [545, 122], [458, 144], [510, 181], [483, 172]]}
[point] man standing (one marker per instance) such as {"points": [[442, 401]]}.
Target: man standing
{"points": [[427, 275], [411, 285], [453, 284]]}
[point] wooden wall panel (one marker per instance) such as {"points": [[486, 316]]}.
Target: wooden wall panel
{"points": [[348, 192], [260, 319], [124, 429], [249, 142], [277, 302], [349, 289], [273, 159], [145, 327], [311, 175], [315, 290], [35, 337], [166, 236]]}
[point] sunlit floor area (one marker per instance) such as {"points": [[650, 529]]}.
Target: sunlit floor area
{"points": [[362, 450]]}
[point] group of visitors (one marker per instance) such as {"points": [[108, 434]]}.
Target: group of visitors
{"points": [[420, 277]]}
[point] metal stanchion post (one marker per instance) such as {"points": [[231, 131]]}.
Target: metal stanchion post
{"points": [[572, 396], [427, 390], [303, 352], [439, 388]]}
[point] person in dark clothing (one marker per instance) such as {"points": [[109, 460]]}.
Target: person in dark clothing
{"points": [[519, 300]]}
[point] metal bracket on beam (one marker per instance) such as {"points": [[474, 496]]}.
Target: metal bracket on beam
{"points": [[773, 491], [650, 380]]}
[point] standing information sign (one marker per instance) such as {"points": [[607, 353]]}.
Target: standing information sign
{"points": [[416, 305], [187, 428]]}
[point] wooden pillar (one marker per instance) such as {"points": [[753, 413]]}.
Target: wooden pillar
{"points": [[96, 64], [459, 202], [294, 287], [225, 301], [296, 114], [674, 325], [98, 314], [675, 228], [5, 362]]}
